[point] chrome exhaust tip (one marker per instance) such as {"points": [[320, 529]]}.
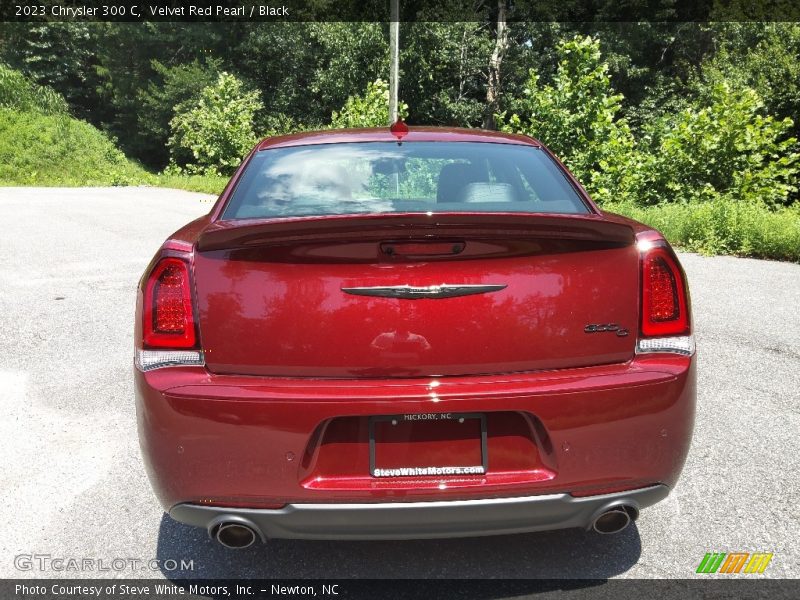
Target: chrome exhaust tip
{"points": [[614, 519], [234, 535]]}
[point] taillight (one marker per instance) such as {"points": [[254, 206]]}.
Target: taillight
{"points": [[665, 305], [168, 312]]}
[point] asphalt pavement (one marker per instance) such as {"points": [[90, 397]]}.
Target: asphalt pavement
{"points": [[74, 487]]}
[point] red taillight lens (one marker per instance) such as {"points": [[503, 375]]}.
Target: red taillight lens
{"points": [[664, 305], [168, 312], [662, 302]]}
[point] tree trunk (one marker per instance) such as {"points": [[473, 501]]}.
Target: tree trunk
{"points": [[495, 62]]}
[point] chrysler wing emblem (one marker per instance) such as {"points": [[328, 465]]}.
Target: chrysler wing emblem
{"points": [[411, 292]]}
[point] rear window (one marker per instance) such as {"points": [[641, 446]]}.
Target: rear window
{"points": [[386, 177]]}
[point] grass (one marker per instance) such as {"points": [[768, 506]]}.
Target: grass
{"points": [[49, 150], [724, 227], [58, 150], [208, 184]]}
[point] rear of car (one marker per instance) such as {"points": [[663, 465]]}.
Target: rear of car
{"points": [[437, 335]]}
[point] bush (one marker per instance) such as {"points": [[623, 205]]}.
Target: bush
{"points": [[726, 149], [724, 227], [761, 56], [217, 129], [369, 110], [18, 92], [40, 144], [39, 149]]}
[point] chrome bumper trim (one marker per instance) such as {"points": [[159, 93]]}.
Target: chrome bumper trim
{"points": [[419, 520]]}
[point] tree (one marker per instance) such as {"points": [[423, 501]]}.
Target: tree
{"points": [[576, 116], [217, 130], [166, 96], [349, 57], [495, 63], [443, 67], [720, 147], [125, 65], [279, 59], [60, 55], [369, 110], [761, 56]]}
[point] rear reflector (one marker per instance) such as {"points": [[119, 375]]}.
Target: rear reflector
{"points": [[167, 310], [147, 360], [683, 344], [664, 304]]}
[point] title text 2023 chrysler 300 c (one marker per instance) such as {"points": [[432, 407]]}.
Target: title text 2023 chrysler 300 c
{"points": [[410, 334]]}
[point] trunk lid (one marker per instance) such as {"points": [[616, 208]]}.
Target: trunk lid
{"points": [[415, 295]]}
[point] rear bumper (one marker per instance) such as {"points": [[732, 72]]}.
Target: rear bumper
{"points": [[418, 520], [262, 443]]}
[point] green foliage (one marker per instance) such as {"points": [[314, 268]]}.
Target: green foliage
{"points": [[284, 77], [58, 54], [443, 70], [18, 92], [347, 57], [761, 56], [207, 184], [280, 124], [726, 149], [724, 227], [691, 126], [720, 146], [306, 70], [217, 129], [712, 172], [41, 144], [40, 149], [369, 110], [576, 116], [124, 55], [649, 62], [167, 94]]}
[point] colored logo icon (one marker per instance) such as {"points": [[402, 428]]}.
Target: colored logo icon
{"points": [[734, 562]]}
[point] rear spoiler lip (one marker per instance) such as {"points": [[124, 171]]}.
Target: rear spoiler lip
{"points": [[248, 233]]}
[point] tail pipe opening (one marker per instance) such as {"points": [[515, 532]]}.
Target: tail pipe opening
{"points": [[234, 532], [615, 519]]}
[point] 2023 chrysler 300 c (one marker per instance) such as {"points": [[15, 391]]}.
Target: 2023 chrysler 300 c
{"points": [[409, 334]]}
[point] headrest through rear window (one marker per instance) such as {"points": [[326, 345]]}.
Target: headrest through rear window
{"points": [[488, 192]]}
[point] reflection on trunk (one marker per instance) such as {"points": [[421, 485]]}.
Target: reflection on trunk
{"points": [[281, 310]]}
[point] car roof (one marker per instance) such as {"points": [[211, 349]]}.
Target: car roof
{"points": [[382, 134]]}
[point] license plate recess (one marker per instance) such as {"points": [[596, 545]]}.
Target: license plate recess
{"points": [[428, 445]]}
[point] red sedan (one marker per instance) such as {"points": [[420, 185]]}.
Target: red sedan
{"points": [[410, 334]]}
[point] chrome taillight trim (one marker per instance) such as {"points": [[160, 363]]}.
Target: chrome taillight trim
{"points": [[148, 360], [683, 344]]}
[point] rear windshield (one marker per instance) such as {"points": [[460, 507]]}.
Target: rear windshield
{"points": [[386, 177]]}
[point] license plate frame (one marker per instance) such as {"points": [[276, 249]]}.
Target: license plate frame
{"points": [[481, 470]]}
